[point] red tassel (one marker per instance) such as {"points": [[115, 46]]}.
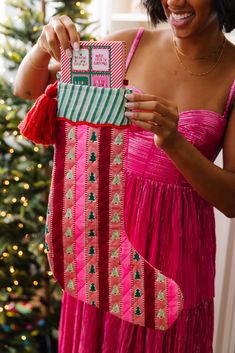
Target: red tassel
{"points": [[39, 125]]}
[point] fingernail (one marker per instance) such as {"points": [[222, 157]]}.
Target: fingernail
{"points": [[68, 53], [129, 114], [129, 105], [129, 95], [76, 46]]}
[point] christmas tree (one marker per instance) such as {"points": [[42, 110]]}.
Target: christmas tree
{"points": [[30, 299]]}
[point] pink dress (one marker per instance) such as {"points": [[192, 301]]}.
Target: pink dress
{"points": [[174, 229]]}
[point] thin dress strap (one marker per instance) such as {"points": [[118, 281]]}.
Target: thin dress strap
{"points": [[134, 46], [230, 100]]}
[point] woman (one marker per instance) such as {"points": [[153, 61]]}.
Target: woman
{"points": [[187, 87]]}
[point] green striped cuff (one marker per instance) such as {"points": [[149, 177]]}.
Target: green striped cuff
{"points": [[96, 105]]}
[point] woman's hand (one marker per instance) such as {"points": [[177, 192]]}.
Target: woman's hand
{"points": [[60, 31], [156, 114]]}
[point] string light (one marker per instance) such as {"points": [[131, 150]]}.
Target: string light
{"points": [[3, 213], [14, 200], [12, 270], [36, 149], [15, 282], [1, 309], [15, 133], [23, 198], [39, 166], [2, 101], [23, 338], [16, 178], [15, 247], [20, 225], [40, 218], [5, 254], [82, 12], [35, 283], [6, 307], [4, 190], [9, 289], [49, 273], [20, 253], [41, 246], [78, 3], [6, 182], [11, 150], [26, 186]]}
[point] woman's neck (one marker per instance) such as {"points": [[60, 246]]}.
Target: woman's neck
{"points": [[200, 44]]}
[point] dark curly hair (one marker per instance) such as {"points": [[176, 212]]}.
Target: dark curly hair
{"points": [[225, 11]]}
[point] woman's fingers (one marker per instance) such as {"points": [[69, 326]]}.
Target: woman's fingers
{"points": [[59, 32], [155, 106], [138, 97], [73, 34], [146, 116]]}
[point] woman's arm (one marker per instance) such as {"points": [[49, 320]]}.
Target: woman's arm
{"points": [[216, 185], [34, 72]]}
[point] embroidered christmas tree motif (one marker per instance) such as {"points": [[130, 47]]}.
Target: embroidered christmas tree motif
{"points": [[137, 293], [115, 272], [92, 157], [92, 269], [138, 311], [160, 295], [69, 214], [71, 154], [92, 250], [92, 233], [68, 232], [116, 180], [116, 198], [48, 211], [92, 177], [69, 175], [115, 218], [115, 254], [160, 277], [117, 159], [92, 287], [46, 247], [137, 275], [69, 268], [136, 256], [93, 303], [91, 216], [161, 314], [162, 328], [115, 290], [71, 134], [69, 194], [93, 136], [115, 308], [118, 140], [46, 228], [70, 284], [69, 250], [91, 197], [115, 235]]}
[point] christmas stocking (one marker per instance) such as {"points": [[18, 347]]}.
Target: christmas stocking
{"points": [[87, 245]]}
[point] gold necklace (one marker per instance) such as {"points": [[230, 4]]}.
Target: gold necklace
{"points": [[215, 52], [204, 73]]}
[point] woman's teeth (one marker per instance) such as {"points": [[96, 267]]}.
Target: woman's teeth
{"points": [[179, 17]]}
